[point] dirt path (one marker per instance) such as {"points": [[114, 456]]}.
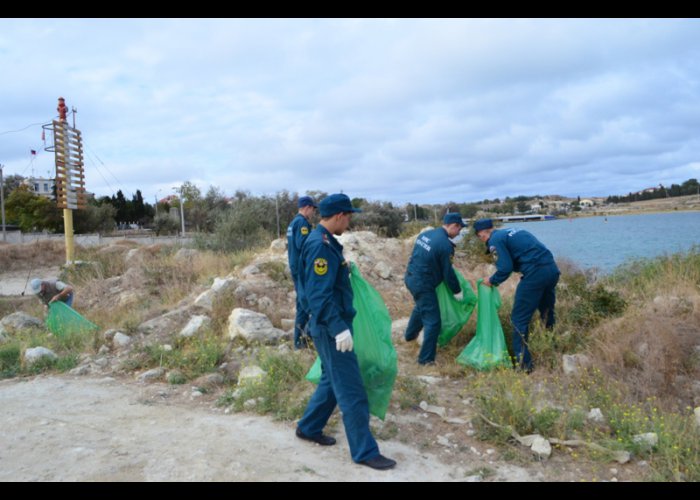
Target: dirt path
{"points": [[63, 428], [16, 282]]}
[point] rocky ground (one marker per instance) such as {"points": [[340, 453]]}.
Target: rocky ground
{"points": [[101, 423]]}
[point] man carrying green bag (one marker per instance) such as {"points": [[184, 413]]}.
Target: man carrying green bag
{"points": [[488, 347], [375, 352]]}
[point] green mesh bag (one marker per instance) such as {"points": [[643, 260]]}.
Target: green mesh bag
{"points": [[63, 320], [372, 345], [488, 347], [454, 313]]}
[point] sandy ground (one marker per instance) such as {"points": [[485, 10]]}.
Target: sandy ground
{"points": [[64, 428], [14, 282]]}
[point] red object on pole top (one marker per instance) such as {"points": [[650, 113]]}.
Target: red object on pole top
{"points": [[62, 109]]}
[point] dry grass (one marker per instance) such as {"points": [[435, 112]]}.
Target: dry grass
{"points": [[40, 253]]}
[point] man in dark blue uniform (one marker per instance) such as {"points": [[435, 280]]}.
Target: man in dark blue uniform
{"points": [[327, 295], [430, 265], [297, 232], [518, 250]]}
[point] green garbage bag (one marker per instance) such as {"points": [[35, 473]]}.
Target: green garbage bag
{"points": [[62, 320], [454, 313], [488, 347], [372, 345]]}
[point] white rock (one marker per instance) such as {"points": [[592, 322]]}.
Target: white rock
{"points": [[595, 415], [429, 379], [250, 373], [278, 245], [19, 321], [647, 440], [80, 370], [442, 440], [253, 326], [34, 354], [697, 416], [250, 270], [196, 324], [573, 363], [541, 447], [151, 375], [383, 270], [121, 340], [287, 324], [438, 410]]}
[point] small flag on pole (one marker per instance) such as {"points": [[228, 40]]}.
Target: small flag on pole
{"points": [[33, 152]]}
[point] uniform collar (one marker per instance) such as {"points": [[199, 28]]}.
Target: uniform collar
{"points": [[327, 235]]}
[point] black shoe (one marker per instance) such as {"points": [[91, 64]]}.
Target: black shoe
{"points": [[321, 439], [380, 462]]}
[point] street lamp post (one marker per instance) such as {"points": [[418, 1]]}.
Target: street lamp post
{"points": [[2, 204], [182, 210]]}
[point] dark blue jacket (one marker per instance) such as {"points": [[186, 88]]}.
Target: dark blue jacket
{"points": [[325, 284], [431, 262], [297, 232], [516, 250]]}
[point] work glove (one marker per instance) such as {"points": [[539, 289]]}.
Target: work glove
{"points": [[458, 296], [343, 341]]}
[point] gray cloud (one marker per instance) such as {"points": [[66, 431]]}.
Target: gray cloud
{"points": [[401, 110]]}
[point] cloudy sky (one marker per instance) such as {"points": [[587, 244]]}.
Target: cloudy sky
{"points": [[403, 110]]}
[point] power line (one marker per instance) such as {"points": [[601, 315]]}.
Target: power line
{"points": [[21, 129]]}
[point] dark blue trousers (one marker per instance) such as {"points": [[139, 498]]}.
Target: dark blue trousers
{"points": [[301, 320], [536, 291], [425, 315], [341, 384]]}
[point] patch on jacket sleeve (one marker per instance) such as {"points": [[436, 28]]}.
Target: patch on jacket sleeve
{"points": [[304, 230], [320, 266]]}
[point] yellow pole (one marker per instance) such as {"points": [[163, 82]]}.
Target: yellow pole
{"points": [[68, 227]]}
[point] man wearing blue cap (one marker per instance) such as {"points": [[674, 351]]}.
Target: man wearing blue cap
{"points": [[518, 250], [327, 295], [297, 232], [430, 265]]}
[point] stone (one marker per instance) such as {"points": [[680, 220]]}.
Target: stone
{"points": [[279, 245], [152, 375], [541, 448], [166, 323], [34, 354], [253, 327], [696, 411], [251, 373], [595, 415], [19, 321], [287, 324], [383, 270], [647, 440], [573, 363], [121, 340], [438, 410], [195, 325]]}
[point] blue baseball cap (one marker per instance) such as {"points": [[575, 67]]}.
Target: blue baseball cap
{"points": [[307, 201], [482, 224], [453, 218], [335, 204]]}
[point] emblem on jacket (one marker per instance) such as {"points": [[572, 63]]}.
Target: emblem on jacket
{"points": [[320, 266]]}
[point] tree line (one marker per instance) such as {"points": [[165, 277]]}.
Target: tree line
{"points": [[689, 187]]}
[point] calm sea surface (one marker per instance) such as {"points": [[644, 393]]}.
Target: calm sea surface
{"points": [[607, 242]]}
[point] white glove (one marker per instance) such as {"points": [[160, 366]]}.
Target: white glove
{"points": [[458, 296], [343, 341]]}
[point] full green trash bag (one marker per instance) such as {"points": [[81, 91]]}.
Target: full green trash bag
{"points": [[62, 320], [372, 345], [454, 313], [488, 347]]}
